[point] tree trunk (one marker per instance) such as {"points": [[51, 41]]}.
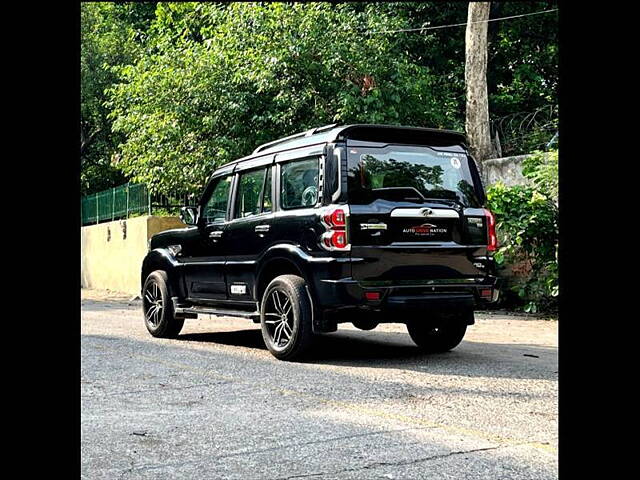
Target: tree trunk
{"points": [[475, 77], [86, 141]]}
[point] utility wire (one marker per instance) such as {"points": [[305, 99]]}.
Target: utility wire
{"points": [[422, 29]]}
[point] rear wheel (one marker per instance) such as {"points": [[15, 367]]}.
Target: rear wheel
{"points": [[439, 337], [285, 317], [364, 324], [157, 306]]}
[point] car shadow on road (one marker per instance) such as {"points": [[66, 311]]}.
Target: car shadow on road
{"points": [[239, 338], [396, 350]]}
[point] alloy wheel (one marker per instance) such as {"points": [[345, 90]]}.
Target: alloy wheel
{"points": [[279, 319], [153, 304]]}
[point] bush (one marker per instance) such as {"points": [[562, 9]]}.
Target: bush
{"points": [[542, 169], [527, 227]]}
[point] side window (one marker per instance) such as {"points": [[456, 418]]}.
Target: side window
{"points": [[248, 195], [215, 209], [267, 204], [299, 183]]}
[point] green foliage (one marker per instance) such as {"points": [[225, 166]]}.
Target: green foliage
{"points": [[111, 34], [527, 227], [192, 85], [233, 77], [166, 212], [522, 58], [542, 169], [522, 74]]}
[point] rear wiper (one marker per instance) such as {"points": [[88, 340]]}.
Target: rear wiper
{"points": [[403, 192], [446, 201]]}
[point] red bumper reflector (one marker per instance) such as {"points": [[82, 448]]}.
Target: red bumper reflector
{"points": [[485, 293], [372, 295]]}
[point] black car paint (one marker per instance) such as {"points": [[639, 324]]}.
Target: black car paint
{"points": [[336, 280]]}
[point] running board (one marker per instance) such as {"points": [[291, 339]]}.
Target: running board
{"points": [[195, 310]]}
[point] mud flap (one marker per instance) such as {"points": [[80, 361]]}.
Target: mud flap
{"points": [[319, 323]]}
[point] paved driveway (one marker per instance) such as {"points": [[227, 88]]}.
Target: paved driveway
{"points": [[215, 404]]}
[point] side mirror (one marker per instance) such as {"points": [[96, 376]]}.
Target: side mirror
{"points": [[189, 215]]}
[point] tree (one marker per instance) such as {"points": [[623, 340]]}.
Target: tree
{"points": [[475, 75], [192, 85], [224, 79], [111, 34], [523, 58]]}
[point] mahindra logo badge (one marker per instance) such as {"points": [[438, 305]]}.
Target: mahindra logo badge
{"points": [[425, 212]]}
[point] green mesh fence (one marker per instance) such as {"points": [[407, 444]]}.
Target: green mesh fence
{"points": [[129, 199], [115, 203]]}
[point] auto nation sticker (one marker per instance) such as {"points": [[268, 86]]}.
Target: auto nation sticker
{"points": [[425, 230]]}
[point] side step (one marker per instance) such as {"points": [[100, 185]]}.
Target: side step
{"points": [[192, 312]]}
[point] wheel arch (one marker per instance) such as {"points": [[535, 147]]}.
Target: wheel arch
{"points": [[274, 266], [161, 259], [289, 259]]}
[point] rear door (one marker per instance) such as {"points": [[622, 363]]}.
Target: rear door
{"points": [[296, 181], [249, 232], [410, 210]]}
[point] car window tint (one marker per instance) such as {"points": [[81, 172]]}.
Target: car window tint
{"points": [[248, 196], [299, 183], [216, 207], [407, 173]]}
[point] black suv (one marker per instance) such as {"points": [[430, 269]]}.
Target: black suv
{"points": [[359, 223]]}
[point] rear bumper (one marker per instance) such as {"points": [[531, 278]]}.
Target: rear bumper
{"points": [[437, 301], [347, 293]]}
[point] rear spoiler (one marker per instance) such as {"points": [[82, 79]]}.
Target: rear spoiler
{"points": [[402, 135]]}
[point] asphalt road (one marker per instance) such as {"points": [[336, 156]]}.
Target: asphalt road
{"points": [[215, 404]]}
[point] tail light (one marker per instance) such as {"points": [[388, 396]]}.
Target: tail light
{"points": [[486, 293], [492, 245], [334, 220]]}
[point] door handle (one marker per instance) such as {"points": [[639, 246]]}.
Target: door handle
{"points": [[262, 228], [215, 234]]}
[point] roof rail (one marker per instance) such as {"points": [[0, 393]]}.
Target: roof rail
{"points": [[306, 133]]}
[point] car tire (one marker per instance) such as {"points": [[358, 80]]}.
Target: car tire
{"points": [[286, 317], [439, 337], [363, 324], [157, 307]]}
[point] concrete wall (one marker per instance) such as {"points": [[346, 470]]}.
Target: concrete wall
{"points": [[507, 169], [112, 261]]}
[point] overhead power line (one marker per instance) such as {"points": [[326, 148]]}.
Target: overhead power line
{"points": [[422, 29]]}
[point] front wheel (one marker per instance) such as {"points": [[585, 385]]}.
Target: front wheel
{"points": [[285, 317], [436, 339], [157, 306]]}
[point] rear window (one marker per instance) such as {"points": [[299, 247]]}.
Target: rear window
{"points": [[299, 184], [409, 174]]}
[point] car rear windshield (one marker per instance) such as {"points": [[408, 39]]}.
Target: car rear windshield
{"points": [[409, 174]]}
